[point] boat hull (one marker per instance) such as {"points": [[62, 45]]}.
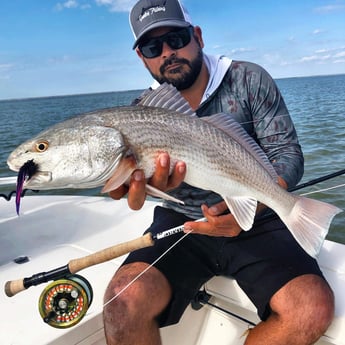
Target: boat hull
{"points": [[52, 230]]}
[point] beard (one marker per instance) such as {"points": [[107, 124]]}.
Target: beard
{"points": [[182, 77]]}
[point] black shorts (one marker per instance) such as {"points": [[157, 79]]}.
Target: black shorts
{"points": [[261, 260]]}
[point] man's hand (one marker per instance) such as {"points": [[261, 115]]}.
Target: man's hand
{"points": [[218, 223], [160, 180]]}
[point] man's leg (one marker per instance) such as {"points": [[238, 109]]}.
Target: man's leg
{"points": [[160, 296], [131, 317], [302, 310]]}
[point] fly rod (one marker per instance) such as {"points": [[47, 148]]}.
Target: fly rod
{"points": [[317, 180], [75, 265]]}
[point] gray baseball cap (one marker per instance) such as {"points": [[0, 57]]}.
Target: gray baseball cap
{"points": [[150, 14]]}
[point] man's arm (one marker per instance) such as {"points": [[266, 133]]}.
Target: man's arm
{"points": [[273, 126]]}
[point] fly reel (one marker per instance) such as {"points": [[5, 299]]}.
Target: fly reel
{"points": [[64, 302]]}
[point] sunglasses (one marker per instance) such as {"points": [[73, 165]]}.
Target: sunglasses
{"points": [[177, 39]]}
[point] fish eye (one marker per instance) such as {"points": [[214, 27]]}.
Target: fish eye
{"points": [[41, 146]]}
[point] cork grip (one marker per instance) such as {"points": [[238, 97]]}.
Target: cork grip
{"points": [[75, 265], [107, 254], [13, 287]]}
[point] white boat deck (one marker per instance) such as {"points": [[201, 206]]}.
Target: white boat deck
{"points": [[53, 230]]}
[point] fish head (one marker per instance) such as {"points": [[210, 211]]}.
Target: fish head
{"points": [[70, 157]]}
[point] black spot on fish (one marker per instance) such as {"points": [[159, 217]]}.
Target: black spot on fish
{"points": [[25, 173]]}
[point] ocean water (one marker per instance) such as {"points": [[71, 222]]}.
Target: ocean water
{"points": [[316, 104]]}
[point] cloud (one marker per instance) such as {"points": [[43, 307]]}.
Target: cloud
{"points": [[329, 50], [317, 58], [339, 57], [341, 54], [332, 55], [5, 70], [67, 4], [318, 31], [5, 67], [112, 5], [59, 60], [330, 8], [117, 5], [321, 51], [273, 58], [242, 50]]}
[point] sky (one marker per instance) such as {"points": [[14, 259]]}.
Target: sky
{"points": [[50, 47]]}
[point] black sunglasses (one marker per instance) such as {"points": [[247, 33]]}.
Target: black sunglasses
{"points": [[177, 39]]}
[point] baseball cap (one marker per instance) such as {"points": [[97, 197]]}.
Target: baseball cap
{"points": [[150, 14]]}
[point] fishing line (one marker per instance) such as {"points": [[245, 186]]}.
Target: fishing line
{"points": [[187, 233], [323, 190], [146, 269]]}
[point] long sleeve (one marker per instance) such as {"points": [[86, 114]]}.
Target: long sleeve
{"points": [[273, 126], [250, 95]]}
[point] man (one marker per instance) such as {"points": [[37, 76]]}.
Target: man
{"points": [[293, 299]]}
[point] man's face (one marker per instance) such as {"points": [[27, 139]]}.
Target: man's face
{"points": [[179, 67]]}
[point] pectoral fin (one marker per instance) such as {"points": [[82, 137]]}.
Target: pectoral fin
{"points": [[243, 209], [121, 175]]}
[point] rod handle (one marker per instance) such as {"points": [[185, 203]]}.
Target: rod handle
{"points": [[76, 265], [13, 287]]}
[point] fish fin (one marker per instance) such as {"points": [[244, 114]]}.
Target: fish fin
{"points": [[168, 97], [232, 128], [122, 173], [309, 221], [243, 210], [160, 194]]}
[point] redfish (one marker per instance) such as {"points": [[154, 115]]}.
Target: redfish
{"points": [[103, 148]]}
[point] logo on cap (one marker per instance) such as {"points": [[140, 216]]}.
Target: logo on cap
{"points": [[150, 11]]}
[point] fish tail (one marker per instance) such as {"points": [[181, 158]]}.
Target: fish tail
{"points": [[309, 222]]}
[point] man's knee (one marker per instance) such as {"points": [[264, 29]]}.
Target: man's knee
{"points": [[133, 298], [129, 290], [321, 305], [306, 303]]}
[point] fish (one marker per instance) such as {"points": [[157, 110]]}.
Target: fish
{"points": [[104, 147]]}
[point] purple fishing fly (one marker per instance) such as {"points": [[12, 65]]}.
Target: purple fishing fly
{"points": [[25, 173]]}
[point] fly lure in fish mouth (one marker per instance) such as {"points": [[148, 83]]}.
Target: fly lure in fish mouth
{"points": [[25, 173]]}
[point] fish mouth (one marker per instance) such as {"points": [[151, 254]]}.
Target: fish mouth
{"points": [[28, 169], [29, 174], [39, 179]]}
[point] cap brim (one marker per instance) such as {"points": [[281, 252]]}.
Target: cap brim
{"points": [[171, 23]]}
